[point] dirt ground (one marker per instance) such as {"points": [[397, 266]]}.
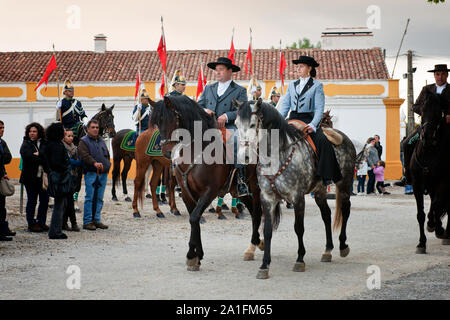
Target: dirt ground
{"points": [[145, 258]]}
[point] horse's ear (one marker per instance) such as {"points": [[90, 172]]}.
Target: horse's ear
{"points": [[103, 107], [237, 104], [152, 103], [168, 103], [112, 107]]}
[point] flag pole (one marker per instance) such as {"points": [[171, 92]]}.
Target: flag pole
{"points": [[165, 52], [282, 87], [139, 96], [57, 84]]}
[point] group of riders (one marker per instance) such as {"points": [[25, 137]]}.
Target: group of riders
{"points": [[304, 100]]}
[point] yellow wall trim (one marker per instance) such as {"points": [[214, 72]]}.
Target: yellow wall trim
{"points": [[31, 94], [11, 92], [94, 91], [353, 89]]}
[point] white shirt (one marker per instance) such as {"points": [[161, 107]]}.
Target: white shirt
{"points": [[222, 87], [302, 84], [440, 88]]}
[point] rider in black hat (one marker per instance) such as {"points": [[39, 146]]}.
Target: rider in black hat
{"points": [[442, 88], [306, 101], [217, 100]]}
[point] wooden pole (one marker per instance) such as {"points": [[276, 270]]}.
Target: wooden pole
{"points": [[398, 52], [57, 84]]}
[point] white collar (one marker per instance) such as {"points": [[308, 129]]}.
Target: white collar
{"points": [[304, 79], [443, 86], [225, 84]]}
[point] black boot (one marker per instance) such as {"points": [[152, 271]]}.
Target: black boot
{"points": [[163, 198], [5, 238], [242, 187], [5, 231]]}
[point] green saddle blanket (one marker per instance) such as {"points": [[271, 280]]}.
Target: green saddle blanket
{"points": [[154, 147], [129, 141]]}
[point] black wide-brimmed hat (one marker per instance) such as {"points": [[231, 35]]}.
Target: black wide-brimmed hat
{"points": [[440, 67], [306, 60], [226, 62]]}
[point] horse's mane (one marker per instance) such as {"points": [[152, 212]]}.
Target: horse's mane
{"points": [[272, 119], [434, 106], [189, 111]]}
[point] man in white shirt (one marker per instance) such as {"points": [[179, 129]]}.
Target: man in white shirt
{"points": [[217, 100]]}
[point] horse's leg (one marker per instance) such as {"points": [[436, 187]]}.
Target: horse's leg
{"points": [[253, 205], [343, 193], [139, 186], [172, 184], [126, 167], [320, 197], [195, 253], [299, 226], [268, 209], [115, 175], [154, 181], [418, 194]]}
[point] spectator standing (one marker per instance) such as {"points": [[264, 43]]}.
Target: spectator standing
{"points": [[372, 160], [361, 175], [58, 161], [5, 158], [33, 168], [378, 146], [94, 154]]}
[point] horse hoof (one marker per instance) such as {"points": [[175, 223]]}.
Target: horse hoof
{"points": [[160, 215], [261, 245], [446, 242], [263, 274], [202, 220], [345, 252], [222, 217], [239, 216], [430, 229], [212, 210], [299, 267], [136, 214], [148, 196], [114, 198], [240, 207], [420, 250], [441, 236], [192, 264], [175, 213], [128, 199], [249, 256], [326, 257]]}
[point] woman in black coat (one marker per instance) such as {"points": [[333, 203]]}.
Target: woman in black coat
{"points": [[33, 167], [5, 158], [58, 161]]}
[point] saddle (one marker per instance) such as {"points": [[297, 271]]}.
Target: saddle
{"points": [[332, 135]]}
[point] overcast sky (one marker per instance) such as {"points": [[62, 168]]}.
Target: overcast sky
{"points": [[205, 24]]}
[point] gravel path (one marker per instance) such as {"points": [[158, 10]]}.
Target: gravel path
{"points": [[145, 258]]}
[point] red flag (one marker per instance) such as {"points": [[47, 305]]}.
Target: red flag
{"points": [[283, 66], [201, 83], [232, 52], [138, 84], [162, 52], [248, 57], [51, 66], [163, 84]]}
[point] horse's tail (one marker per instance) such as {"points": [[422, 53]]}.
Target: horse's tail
{"points": [[338, 213]]}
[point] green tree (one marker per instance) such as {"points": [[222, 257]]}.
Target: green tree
{"points": [[436, 1], [304, 43]]}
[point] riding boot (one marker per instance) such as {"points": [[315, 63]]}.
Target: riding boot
{"points": [[242, 187]]}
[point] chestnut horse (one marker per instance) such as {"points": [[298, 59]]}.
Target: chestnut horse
{"points": [[143, 163]]}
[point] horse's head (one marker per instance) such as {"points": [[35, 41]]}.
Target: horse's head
{"points": [[327, 121], [432, 116], [248, 122], [105, 120]]}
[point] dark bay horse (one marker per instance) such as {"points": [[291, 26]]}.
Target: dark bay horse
{"points": [[429, 170], [290, 174], [201, 182]]}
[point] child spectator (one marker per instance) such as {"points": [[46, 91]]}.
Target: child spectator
{"points": [[361, 175], [379, 177]]}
